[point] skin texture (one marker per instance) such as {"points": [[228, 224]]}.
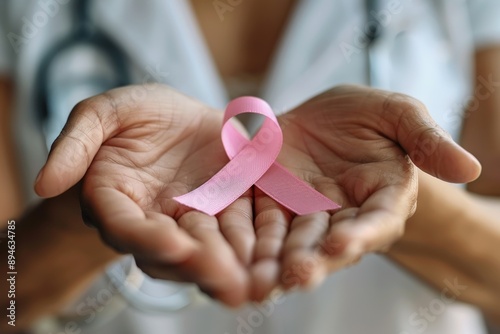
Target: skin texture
{"points": [[140, 155]]}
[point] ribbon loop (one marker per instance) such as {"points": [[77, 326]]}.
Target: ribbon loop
{"points": [[253, 162]]}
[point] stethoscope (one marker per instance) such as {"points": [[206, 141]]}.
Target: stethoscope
{"points": [[56, 93], [373, 35]]}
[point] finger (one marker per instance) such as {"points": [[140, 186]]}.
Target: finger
{"points": [[271, 227], [299, 251], [214, 266], [264, 276], [302, 268], [306, 231], [125, 227], [236, 224], [407, 121], [375, 226], [90, 123]]}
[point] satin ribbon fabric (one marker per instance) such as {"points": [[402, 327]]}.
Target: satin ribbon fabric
{"points": [[253, 162]]}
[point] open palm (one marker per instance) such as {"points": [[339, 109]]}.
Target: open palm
{"points": [[355, 145], [151, 152]]}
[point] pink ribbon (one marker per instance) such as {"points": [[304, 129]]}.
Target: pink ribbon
{"points": [[254, 162]]}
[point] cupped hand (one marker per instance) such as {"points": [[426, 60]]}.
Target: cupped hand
{"points": [[136, 156], [350, 143], [359, 147]]}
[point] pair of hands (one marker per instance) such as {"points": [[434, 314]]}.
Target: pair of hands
{"points": [[356, 145]]}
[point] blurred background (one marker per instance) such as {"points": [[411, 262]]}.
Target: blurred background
{"points": [[55, 53]]}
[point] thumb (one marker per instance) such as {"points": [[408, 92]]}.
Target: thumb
{"points": [[90, 123], [430, 147]]}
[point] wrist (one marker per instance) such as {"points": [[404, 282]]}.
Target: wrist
{"points": [[435, 227]]}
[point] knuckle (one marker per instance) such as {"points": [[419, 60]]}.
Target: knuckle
{"points": [[98, 112], [272, 216], [395, 101], [239, 213], [405, 112]]}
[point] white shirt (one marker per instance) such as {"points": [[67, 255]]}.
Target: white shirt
{"points": [[425, 52]]}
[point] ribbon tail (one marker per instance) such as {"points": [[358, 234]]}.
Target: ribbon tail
{"points": [[293, 193]]}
